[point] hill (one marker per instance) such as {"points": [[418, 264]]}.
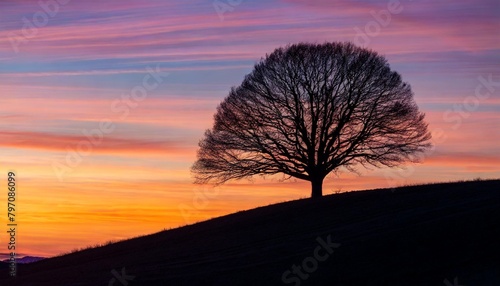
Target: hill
{"points": [[417, 235]]}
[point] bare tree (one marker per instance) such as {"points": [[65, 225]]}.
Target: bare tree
{"points": [[308, 109]]}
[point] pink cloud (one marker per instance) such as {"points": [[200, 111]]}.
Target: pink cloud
{"points": [[109, 145]]}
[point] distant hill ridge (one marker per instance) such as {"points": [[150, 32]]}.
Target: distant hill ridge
{"points": [[416, 235], [26, 259]]}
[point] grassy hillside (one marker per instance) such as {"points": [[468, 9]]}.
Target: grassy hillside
{"points": [[419, 235]]}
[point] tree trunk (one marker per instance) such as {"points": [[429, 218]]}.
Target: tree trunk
{"points": [[317, 187]]}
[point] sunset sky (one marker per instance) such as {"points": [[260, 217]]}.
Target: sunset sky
{"points": [[94, 164]]}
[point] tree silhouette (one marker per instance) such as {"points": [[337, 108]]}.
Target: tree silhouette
{"points": [[306, 110]]}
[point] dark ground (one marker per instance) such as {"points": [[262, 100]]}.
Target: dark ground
{"points": [[417, 235]]}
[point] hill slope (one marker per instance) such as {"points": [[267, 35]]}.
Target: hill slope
{"points": [[417, 235]]}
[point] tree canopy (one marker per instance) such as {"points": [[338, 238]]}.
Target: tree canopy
{"points": [[306, 110]]}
